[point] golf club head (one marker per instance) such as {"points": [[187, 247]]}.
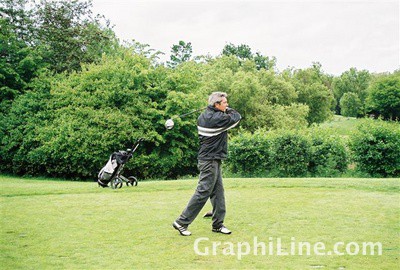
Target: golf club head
{"points": [[169, 124]]}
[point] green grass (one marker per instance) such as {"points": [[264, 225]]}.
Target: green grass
{"points": [[341, 125], [76, 225]]}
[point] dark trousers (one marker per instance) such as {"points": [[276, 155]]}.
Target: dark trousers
{"points": [[209, 186]]}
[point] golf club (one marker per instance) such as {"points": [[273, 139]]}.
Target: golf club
{"points": [[169, 124]]}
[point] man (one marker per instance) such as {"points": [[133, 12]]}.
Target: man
{"points": [[212, 126]]}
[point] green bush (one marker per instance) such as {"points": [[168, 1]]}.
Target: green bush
{"points": [[70, 128], [291, 154], [280, 153], [376, 148], [18, 129], [329, 155], [250, 155]]}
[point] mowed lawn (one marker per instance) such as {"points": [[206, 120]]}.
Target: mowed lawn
{"points": [[49, 224]]}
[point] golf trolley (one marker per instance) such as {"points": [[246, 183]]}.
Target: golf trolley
{"points": [[112, 171]]}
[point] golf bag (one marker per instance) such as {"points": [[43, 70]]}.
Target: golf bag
{"points": [[111, 173]]}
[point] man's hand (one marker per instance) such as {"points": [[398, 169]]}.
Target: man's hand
{"points": [[229, 110]]}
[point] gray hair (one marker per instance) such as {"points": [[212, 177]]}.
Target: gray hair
{"points": [[216, 97]]}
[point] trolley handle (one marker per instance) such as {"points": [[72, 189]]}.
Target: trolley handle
{"points": [[135, 146]]}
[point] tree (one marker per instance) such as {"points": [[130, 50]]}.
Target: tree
{"points": [[19, 65], [19, 18], [144, 49], [384, 96], [278, 91], [241, 51], [69, 126], [18, 130], [181, 52], [64, 33], [311, 87], [350, 105], [351, 81], [266, 101], [68, 34], [264, 62], [319, 100]]}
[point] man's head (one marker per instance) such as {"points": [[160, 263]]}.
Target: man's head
{"points": [[218, 100]]}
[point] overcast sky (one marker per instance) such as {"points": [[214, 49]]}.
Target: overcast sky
{"points": [[338, 34]]}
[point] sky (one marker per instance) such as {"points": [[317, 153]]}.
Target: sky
{"points": [[336, 33]]}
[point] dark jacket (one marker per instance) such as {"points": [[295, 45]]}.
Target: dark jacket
{"points": [[212, 127]]}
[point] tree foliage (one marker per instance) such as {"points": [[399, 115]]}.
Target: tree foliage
{"points": [[18, 63], [384, 96], [243, 52], [312, 90], [64, 33], [351, 105], [351, 81], [87, 115], [180, 53], [264, 99], [19, 17], [68, 34]]}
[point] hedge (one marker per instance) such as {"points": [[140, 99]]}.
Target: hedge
{"points": [[287, 154], [376, 148]]}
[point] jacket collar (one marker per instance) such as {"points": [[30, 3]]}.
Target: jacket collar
{"points": [[210, 107]]}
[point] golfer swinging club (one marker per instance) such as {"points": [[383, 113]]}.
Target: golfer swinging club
{"points": [[212, 126]]}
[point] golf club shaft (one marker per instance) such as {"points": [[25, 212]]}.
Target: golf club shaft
{"points": [[185, 114]]}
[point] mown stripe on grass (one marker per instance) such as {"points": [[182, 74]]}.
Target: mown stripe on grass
{"points": [[21, 188]]}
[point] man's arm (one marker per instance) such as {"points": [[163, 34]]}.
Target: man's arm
{"points": [[230, 117], [221, 123]]}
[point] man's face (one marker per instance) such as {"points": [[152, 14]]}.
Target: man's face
{"points": [[222, 105]]}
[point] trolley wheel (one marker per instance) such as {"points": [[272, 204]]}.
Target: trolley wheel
{"points": [[116, 183], [132, 181]]}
